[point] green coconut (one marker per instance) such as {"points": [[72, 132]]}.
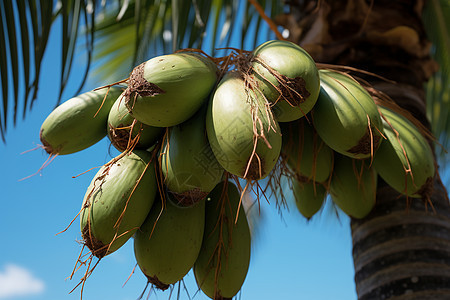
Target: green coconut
{"points": [[309, 196], [168, 243], [188, 164], [353, 186], [244, 137], [78, 123], [304, 151], [406, 161], [287, 75], [346, 117], [121, 124], [117, 202], [224, 258], [167, 90]]}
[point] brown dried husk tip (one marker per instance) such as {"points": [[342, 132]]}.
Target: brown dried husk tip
{"points": [[427, 190], [217, 296], [254, 170], [189, 198], [46, 145], [367, 143], [120, 136], [98, 249], [157, 283], [293, 90], [139, 86]]}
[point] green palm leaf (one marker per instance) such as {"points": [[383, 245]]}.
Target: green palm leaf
{"points": [[24, 35], [125, 38]]}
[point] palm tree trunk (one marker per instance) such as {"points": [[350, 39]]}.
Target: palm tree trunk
{"points": [[402, 249]]}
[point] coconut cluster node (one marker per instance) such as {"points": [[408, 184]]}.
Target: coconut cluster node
{"points": [[192, 130]]}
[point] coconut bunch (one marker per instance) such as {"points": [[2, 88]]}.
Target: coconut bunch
{"points": [[159, 184], [349, 138], [185, 124]]}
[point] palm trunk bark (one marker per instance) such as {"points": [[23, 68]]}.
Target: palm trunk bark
{"points": [[403, 252], [402, 249]]}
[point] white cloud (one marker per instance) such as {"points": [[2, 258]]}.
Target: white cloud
{"points": [[17, 281]]}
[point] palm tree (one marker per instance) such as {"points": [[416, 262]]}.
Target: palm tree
{"points": [[401, 250]]}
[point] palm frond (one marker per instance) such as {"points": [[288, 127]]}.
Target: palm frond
{"points": [[160, 27], [24, 35], [437, 22]]}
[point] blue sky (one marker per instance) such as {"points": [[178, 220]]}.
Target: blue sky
{"points": [[291, 259]]}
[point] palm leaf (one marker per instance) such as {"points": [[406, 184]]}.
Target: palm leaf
{"points": [[161, 27], [4, 76], [24, 35]]}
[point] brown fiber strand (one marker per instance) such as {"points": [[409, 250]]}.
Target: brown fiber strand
{"points": [[282, 80], [407, 169], [343, 85], [46, 163], [78, 259], [339, 68], [103, 102], [71, 222], [116, 236], [163, 206], [129, 276], [274, 184], [119, 220], [384, 100], [33, 149], [75, 176], [240, 202], [371, 140], [108, 86]]}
